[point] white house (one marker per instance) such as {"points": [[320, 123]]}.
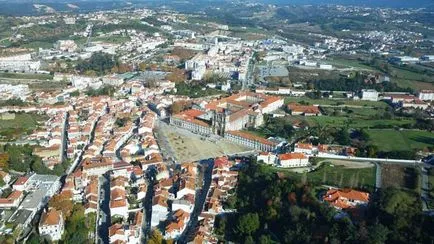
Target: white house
{"points": [[21, 184], [267, 158], [293, 160], [52, 224], [426, 95], [369, 95]]}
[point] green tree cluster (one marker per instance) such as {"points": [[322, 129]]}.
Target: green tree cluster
{"points": [[99, 62], [276, 209]]}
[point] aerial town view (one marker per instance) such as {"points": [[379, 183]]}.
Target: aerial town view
{"points": [[216, 121]]}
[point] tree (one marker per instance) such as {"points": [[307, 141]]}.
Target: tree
{"points": [[248, 224], [176, 76], [156, 237], [62, 203], [99, 62], [377, 234], [342, 137]]}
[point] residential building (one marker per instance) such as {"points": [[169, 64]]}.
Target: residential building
{"points": [[305, 110], [13, 200], [346, 198], [52, 224], [177, 224]]}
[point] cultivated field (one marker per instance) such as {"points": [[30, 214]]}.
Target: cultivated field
{"points": [[22, 123], [393, 175]]}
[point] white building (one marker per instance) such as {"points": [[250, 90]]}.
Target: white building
{"points": [[426, 95], [52, 224], [369, 95], [290, 160], [267, 158], [66, 46]]}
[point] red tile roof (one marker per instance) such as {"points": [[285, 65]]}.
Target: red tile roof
{"points": [[289, 156]]}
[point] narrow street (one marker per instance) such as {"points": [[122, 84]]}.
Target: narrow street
{"points": [[377, 176], [424, 192], [147, 203], [200, 201], [104, 209]]}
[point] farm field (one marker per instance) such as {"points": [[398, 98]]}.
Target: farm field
{"points": [[22, 123], [339, 175], [404, 177], [25, 76], [352, 122], [393, 140]]}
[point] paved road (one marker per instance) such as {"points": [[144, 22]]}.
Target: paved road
{"points": [[369, 160], [199, 203], [104, 207], [378, 176], [147, 203], [424, 193]]}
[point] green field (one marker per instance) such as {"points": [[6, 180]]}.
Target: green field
{"points": [[349, 63], [352, 122], [23, 123], [339, 176], [325, 101], [391, 140], [26, 76], [112, 39], [35, 45]]}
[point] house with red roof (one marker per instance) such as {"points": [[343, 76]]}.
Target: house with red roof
{"points": [[176, 225], [13, 200], [346, 198], [21, 184], [305, 110], [291, 160], [52, 224]]}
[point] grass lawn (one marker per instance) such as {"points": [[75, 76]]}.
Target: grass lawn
{"points": [[27, 76], [390, 140], [339, 176], [23, 123]]}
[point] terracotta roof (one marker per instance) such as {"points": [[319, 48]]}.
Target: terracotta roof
{"points": [[306, 109], [160, 200], [289, 156], [116, 229], [340, 197], [303, 146], [118, 203], [52, 217], [21, 181]]}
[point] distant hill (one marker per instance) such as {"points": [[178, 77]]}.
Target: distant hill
{"points": [[368, 3]]}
